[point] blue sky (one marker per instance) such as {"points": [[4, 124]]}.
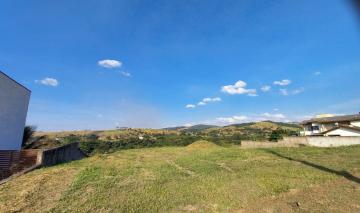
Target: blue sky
{"points": [[102, 64]]}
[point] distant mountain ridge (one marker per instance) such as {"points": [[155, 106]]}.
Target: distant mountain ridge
{"points": [[257, 131]]}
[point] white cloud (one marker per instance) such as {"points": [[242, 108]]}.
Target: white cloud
{"points": [[273, 116], [284, 82], [207, 100], [201, 103], [317, 73], [190, 106], [297, 91], [237, 119], [238, 88], [188, 125], [109, 63], [231, 120], [276, 109], [286, 92], [126, 74], [265, 88], [48, 82]]}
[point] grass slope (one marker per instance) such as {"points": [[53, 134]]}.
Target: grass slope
{"points": [[200, 178]]}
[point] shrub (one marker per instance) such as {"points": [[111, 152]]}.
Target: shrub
{"points": [[28, 135], [276, 135]]}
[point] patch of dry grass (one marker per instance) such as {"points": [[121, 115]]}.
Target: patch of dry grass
{"points": [[37, 191], [202, 144]]}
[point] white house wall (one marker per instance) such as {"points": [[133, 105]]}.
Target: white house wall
{"points": [[355, 123], [14, 100], [343, 132]]}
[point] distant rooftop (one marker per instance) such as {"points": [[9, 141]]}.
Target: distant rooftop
{"points": [[332, 119]]}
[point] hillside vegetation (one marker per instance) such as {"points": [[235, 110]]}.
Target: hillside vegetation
{"points": [[201, 177], [128, 138]]}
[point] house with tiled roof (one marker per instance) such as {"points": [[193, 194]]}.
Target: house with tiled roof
{"points": [[329, 125]]}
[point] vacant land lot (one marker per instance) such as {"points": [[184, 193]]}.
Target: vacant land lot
{"points": [[199, 178]]}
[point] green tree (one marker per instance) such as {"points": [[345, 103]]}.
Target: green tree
{"points": [[276, 135], [28, 136]]}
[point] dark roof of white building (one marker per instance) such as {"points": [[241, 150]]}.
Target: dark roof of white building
{"points": [[354, 128], [333, 119], [1, 72]]}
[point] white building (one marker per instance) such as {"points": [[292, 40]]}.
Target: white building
{"points": [[14, 101], [346, 125]]}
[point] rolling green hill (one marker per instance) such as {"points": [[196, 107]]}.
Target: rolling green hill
{"points": [[111, 140]]}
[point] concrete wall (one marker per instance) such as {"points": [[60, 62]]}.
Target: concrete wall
{"points": [[61, 154], [14, 100], [332, 141], [286, 142], [318, 141]]}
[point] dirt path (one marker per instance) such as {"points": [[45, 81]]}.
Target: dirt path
{"points": [[182, 169]]}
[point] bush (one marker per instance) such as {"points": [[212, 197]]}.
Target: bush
{"points": [[28, 135], [97, 146], [276, 135]]}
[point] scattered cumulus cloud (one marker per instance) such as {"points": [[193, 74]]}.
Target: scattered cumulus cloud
{"points": [[110, 63], [265, 88], [188, 125], [207, 100], [202, 103], [249, 118], [317, 73], [237, 119], [231, 120], [284, 82], [190, 106], [286, 92], [48, 82], [126, 74], [297, 91], [238, 88], [273, 116]]}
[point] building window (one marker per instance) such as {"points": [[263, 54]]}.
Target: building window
{"points": [[315, 128]]}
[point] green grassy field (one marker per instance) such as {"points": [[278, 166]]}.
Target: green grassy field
{"points": [[202, 177]]}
